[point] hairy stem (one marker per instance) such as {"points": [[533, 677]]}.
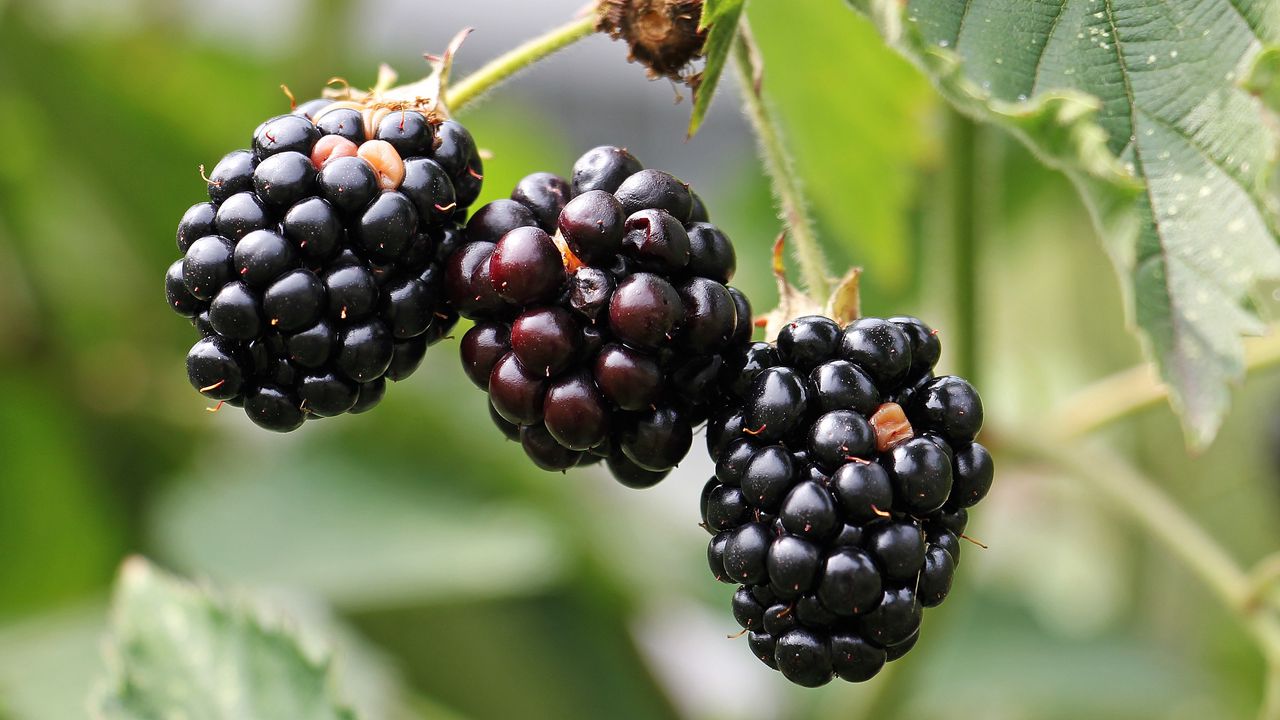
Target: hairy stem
{"points": [[504, 66], [781, 170]]}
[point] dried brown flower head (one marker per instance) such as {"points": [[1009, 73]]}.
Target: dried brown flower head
{"points": [[662, 34]]}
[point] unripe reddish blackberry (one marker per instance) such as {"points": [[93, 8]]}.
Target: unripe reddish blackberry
{"points": [[602, 316], [843, 472], [315, 272]]}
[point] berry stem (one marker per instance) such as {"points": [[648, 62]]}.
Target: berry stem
{"points": [[1130, 391], [781, 169], [501, 68]]}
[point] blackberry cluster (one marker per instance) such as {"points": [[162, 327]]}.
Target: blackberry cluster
{"points": [[314, 273], [843, 472], [602, 315]]}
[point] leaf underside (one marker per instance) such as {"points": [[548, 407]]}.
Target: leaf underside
{"points": [[178, 652], [1141, 104]]}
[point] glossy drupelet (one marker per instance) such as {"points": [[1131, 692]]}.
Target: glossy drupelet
{"points": [[844, 470], [315, 272], [602, 315]]}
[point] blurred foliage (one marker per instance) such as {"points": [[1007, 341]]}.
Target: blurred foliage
{"points": [[170, 638], [454, 581], [860, 154]]}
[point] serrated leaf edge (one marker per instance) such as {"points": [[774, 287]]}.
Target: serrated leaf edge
{"points": [[1098, 175]]}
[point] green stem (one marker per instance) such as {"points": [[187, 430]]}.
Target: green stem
{"points": [[1130, 391], [781, 170], [1262, 580], [1128, 491], [1271, 694], [504, 66], [962, 192]]}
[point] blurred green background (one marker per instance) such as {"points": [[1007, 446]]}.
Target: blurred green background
{"points": [[456, 581]]}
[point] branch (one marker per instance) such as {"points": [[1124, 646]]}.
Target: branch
{"points": [[1128, 491], [1262, 580], [1131, 391]]}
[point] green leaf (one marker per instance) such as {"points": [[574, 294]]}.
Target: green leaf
{"points": [[1138, 104], [863, 196], [723, 20], [179, 651], [713, 10]]}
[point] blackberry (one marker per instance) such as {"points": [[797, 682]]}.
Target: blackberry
{"points": [[233, 174], [235, 312], [206, 267], [602, 325], [240, 215], [603, 168], [545, 195], [545, 340], [526, 267], [844, 470], [316, 270], [593, 225]]}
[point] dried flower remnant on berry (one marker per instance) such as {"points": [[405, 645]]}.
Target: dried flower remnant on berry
{"points": [[386, 162], [891, 425], [332, 147]]}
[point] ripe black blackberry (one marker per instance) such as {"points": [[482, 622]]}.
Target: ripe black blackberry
{"points": [[843, 472], [602, 315], [315, 271]]}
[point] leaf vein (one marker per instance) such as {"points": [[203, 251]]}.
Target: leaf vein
{"points": [[1191, 142], [964, 15], [1044, 47], [1257, 31], [1175, 319]]}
